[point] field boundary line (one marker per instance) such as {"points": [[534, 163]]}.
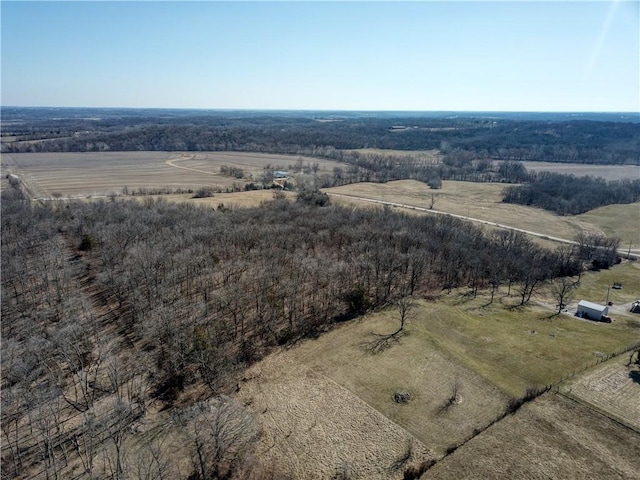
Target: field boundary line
{"points": [[342, 387], [598, 410]]}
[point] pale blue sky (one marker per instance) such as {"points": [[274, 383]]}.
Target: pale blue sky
{"points": [[490, 56]]}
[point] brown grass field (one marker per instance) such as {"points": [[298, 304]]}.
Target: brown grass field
{"points": [[314, 428], [98, 174], [327, 400]]}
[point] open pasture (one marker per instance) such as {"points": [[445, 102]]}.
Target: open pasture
{"points": [[608, 172], [620, 221], [551, 437], [84, 174], [475, 200], [414, 364], [314, 428], [250, 198]]}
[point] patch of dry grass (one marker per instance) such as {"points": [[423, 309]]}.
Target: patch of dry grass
{"points": [[608, 172], [313, 428]]}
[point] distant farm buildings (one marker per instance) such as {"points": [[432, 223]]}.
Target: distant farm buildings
{"points": [[593, 311]]}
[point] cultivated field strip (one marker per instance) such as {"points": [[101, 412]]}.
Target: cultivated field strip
{"points": [[551, 437], [612, 387]]}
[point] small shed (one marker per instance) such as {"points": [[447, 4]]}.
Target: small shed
{"points": [[591, 310]]}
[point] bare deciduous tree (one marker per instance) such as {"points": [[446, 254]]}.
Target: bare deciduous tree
{"points": [[222, 434]]}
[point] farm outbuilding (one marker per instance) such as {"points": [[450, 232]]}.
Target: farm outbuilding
{"points": [[591, 310]]}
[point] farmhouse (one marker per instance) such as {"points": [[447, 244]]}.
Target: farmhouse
{"points": [[591, 310]]}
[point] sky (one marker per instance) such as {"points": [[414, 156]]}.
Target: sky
{"points": [[325, 55]]}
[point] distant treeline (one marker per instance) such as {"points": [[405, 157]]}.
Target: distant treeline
{"points": [[581, 141], [571, 195]]}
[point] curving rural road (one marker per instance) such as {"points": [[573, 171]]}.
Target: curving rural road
{"points": [[471, 219]]}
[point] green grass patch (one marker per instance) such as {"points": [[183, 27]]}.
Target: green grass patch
{"points": [[514, 347], [617, 221], [596, 286]]}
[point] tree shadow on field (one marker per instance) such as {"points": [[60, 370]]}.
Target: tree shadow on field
{"points": [[635, 376]]}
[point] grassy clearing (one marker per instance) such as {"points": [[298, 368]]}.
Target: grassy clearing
{"points": [[476, 200], [314, 428], [414, 365], [552, 437], [251, 198], [330, 399], [515, 347], [594, 287]]}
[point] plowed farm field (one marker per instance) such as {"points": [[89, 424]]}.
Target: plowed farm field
{"points": [[98, 174]]}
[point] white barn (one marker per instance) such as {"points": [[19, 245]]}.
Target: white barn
{"points": [[591, 310]]}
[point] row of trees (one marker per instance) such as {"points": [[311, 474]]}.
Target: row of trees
{"points": [[111, 307]]}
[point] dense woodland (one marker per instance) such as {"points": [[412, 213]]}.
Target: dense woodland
{"points": [[570, 195], [114, 308]]}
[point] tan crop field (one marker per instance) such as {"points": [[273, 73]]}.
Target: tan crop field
{"points": [[612, 387], [325, 404], [551, 437], [83, 174], [483, 201]]}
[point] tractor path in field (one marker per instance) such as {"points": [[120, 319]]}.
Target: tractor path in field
{"points": [[171, 163]]}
